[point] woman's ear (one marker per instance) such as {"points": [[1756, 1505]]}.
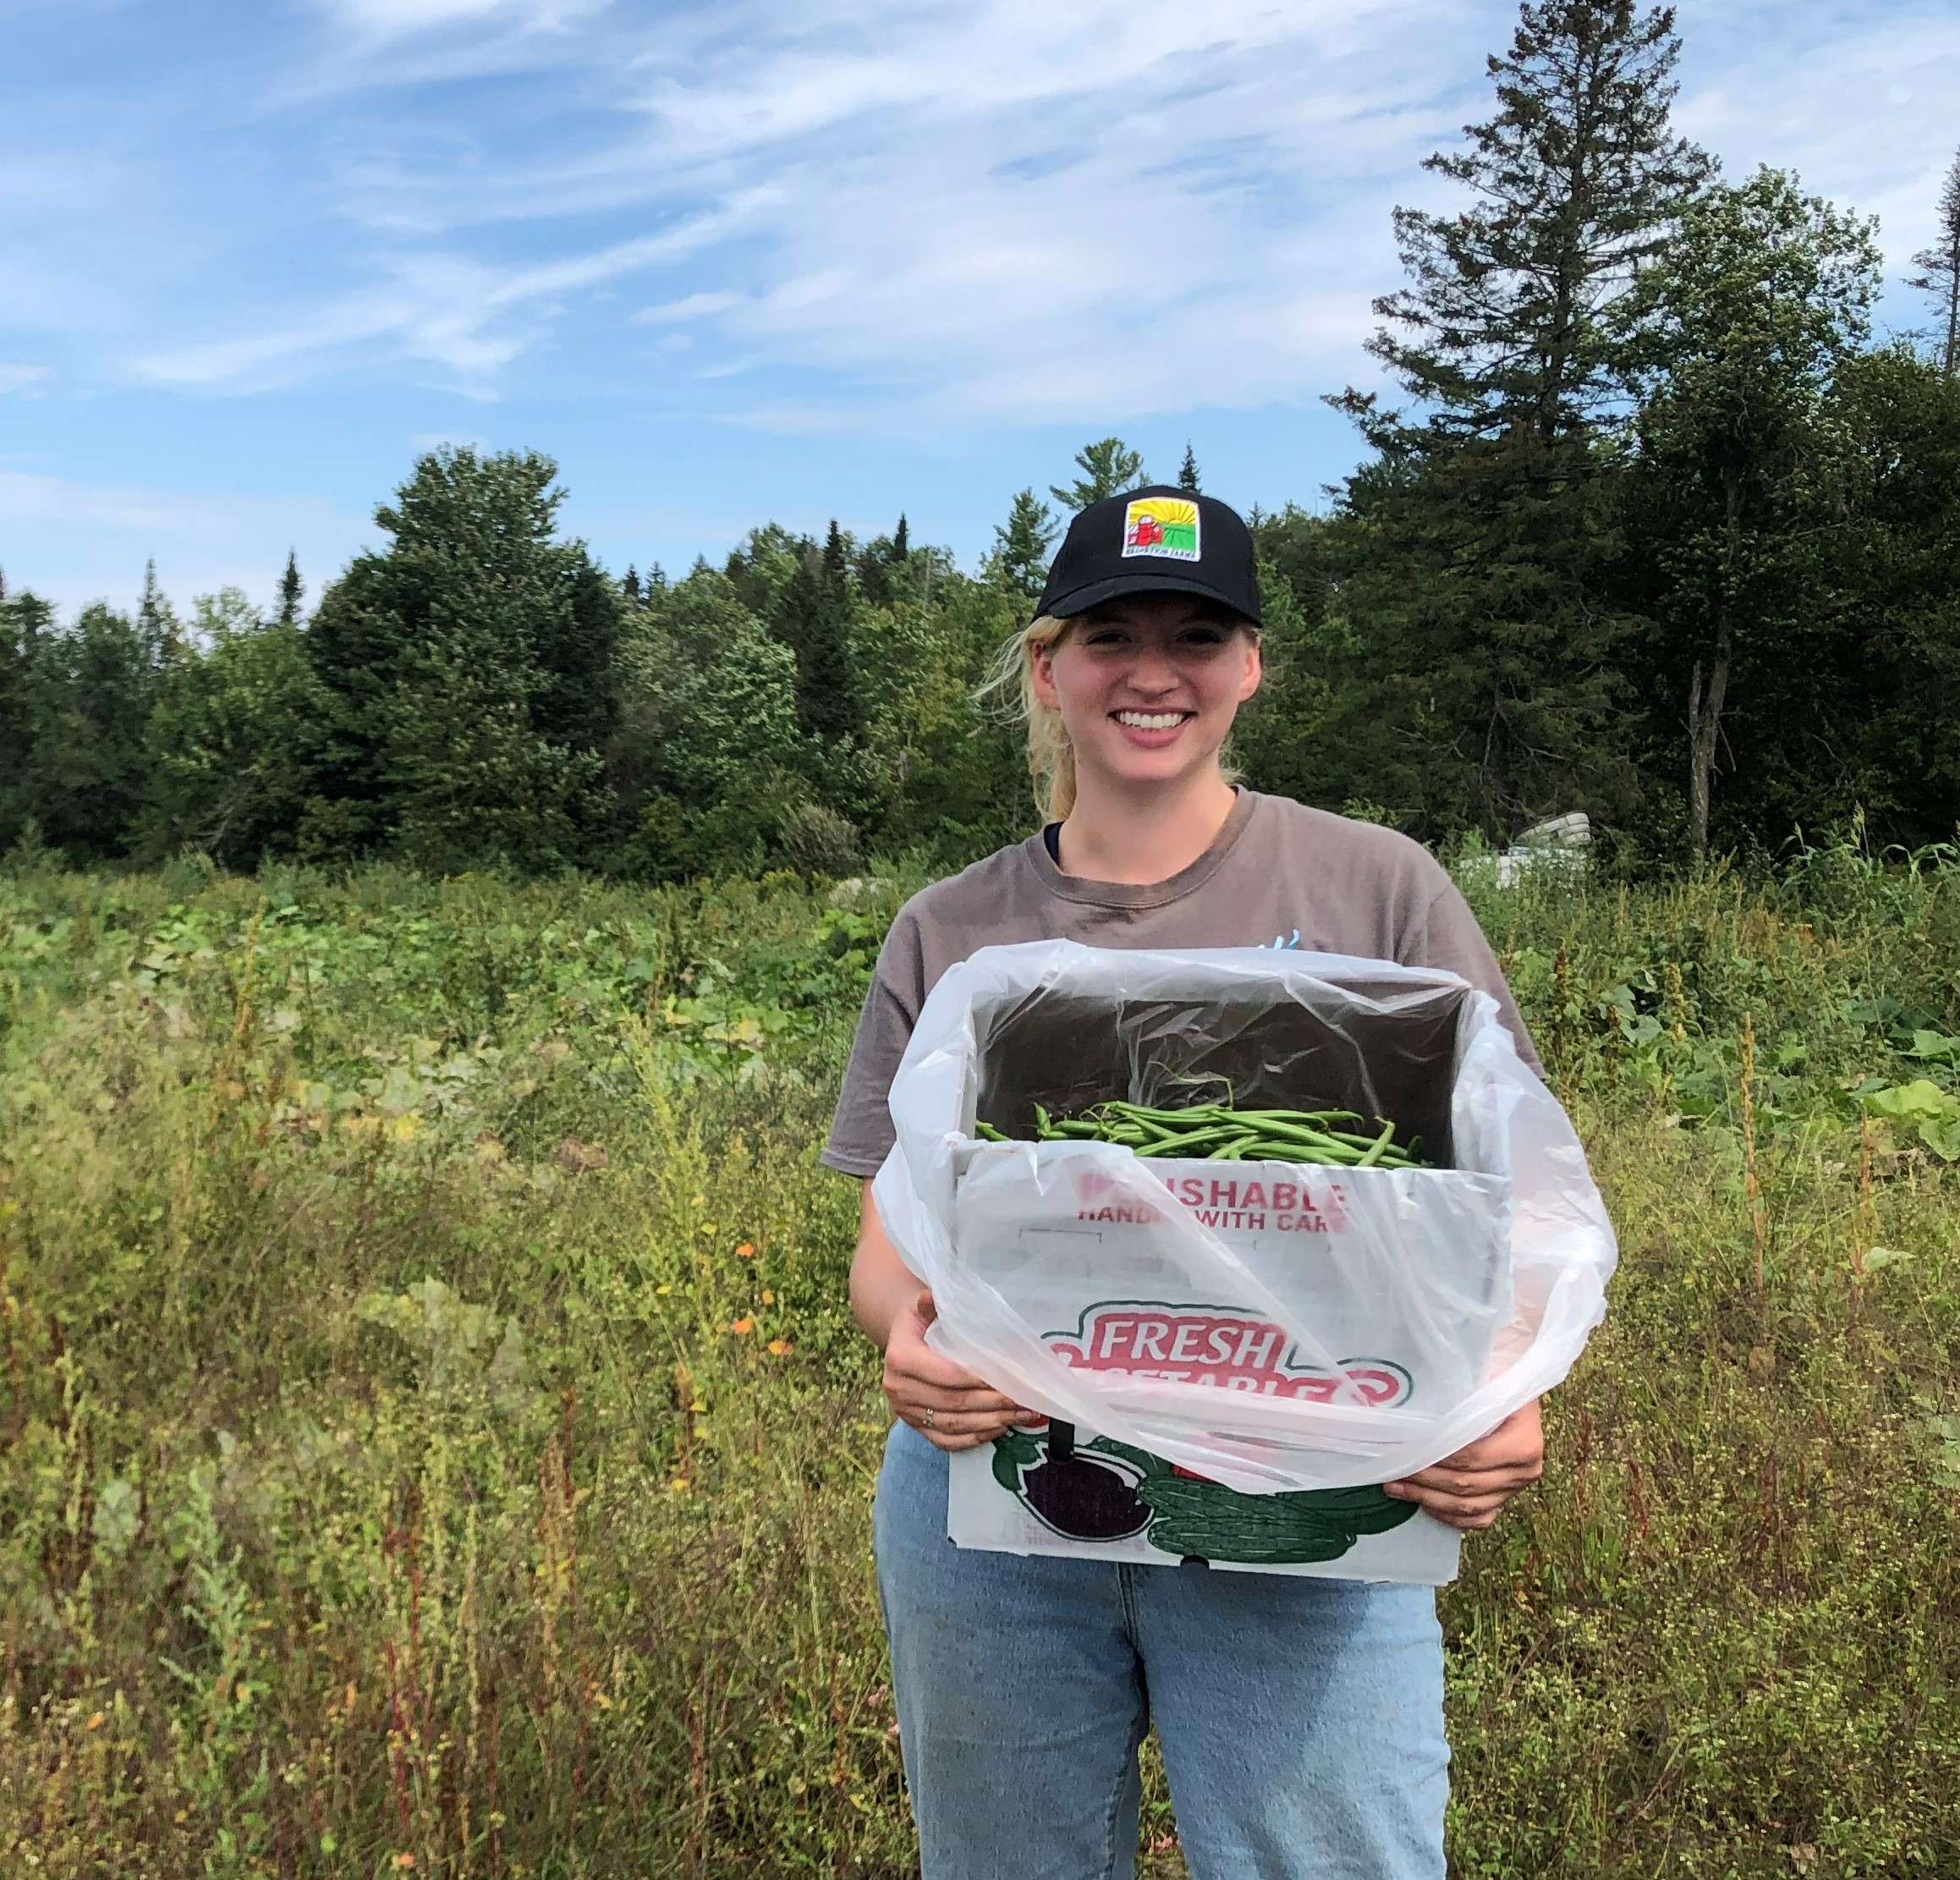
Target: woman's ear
{"points": [[1041, 674], [1255, 667]]}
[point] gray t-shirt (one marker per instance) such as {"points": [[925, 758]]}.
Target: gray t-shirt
{"points": [[1279, 874]]}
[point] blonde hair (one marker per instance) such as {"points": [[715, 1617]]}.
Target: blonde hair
{"points": [[1009, 687]]}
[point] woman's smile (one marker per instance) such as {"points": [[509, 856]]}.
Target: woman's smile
{"points": [[1151, 730]]}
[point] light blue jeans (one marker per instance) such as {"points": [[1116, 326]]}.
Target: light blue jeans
{"points": [[1301, 1719]]}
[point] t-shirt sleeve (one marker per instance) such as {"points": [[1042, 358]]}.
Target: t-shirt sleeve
{"points": [[861, 1132], [1448, 936]]}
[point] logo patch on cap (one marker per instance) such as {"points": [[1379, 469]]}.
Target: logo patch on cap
{"points": [[1163, 526]]}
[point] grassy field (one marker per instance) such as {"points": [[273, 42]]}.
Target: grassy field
{"points": [[434, 1440]]}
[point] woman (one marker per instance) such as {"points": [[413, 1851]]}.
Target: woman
{"points": [[1300, 1719]]}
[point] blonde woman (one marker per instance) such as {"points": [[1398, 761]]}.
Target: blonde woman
{"points": [[1300, 1719]]}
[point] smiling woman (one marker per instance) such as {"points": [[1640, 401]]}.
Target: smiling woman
{"points": [[1135, 666], [1026, 1676]]}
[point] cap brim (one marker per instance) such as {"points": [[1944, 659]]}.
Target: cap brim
{"points": [[1114, 587]]}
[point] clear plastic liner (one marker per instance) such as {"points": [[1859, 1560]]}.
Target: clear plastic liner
{"points": [[1263, 1325]]}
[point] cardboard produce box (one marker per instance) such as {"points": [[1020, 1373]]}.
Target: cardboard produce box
{"points": [[1233, 1355]]}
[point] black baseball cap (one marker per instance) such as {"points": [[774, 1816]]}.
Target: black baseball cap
{"points": [[1158, 540]]}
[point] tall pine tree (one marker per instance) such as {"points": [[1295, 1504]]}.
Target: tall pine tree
{"points": [[1020, 551], [813, 618], [1939, 274], [469, 669], [1108, 467], [1508, 320], [1482, 540]]}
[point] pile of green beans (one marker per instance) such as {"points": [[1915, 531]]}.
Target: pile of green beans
{"points": [[1218, 1132]]}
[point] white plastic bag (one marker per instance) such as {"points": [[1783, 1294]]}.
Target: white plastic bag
{"points": [[1413, 1309]]}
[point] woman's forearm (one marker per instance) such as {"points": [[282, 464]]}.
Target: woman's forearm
{"points": [[882, 1286]]}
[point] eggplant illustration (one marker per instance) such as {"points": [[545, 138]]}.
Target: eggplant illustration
{"points": [[1083, 1494]]}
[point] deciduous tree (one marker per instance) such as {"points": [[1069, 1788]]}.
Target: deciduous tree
{"points": [[1762, 297]]}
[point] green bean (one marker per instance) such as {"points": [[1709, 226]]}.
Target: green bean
{"points": [[1218, 1132], [1379, 1148]]}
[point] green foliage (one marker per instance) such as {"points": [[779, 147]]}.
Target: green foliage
{"points": [[1107, 467], [1020, 551], [708, 738], [435, 1427], [1758, 305], [469, 675], [232, 737], [85, 694]]}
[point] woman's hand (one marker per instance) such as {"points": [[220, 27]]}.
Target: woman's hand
{"points": [[1469, 1489], [950, 1407]]}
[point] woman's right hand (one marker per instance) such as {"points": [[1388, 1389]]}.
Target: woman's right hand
{"points": [[948, 1407]]}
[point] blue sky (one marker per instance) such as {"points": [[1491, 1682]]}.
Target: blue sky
{"points": [[734, 262]]}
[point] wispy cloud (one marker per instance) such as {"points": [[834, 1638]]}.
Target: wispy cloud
{"points": [[23, 378], [389, 18], [1859, 102], [448, 311], [976, 211]]}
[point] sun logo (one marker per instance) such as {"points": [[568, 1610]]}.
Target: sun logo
{"points": [[1161, 525]]}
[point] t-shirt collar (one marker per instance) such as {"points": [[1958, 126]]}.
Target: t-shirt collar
{"points": [[1143, 894]]}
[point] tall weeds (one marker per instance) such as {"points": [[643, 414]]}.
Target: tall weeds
{"points": [[435, 1441]]}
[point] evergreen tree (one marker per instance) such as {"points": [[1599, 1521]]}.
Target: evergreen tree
{"points": [[1578, 178], [470, 670], [232, 737], [1108, 467], [26, 621], [89, 687], [1020, 551], [1187, 471], [291, 589], [901, 542], [814, 619], [1483, 532], [157, 629], [1938, 273]]}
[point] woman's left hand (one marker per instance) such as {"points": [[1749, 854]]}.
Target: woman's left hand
{"points": [[1469, 1489]]}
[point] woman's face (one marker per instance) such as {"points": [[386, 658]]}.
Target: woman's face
{"points": [[1148, 686]]}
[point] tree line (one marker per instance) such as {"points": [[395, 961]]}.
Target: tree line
{"points": [[1659, 531]]}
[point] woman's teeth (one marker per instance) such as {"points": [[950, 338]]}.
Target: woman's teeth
{"points": [[1151, 721]]}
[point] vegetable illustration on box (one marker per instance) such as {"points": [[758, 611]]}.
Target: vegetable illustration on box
{"points": [[1108, 1491]]}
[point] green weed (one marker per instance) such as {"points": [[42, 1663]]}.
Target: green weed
{"points": [[435, 1440]]}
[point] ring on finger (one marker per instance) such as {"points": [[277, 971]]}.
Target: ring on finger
{"points": [[931, 1417]]}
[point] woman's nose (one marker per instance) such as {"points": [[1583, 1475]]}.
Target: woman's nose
{"points": [[1153, 668]]}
